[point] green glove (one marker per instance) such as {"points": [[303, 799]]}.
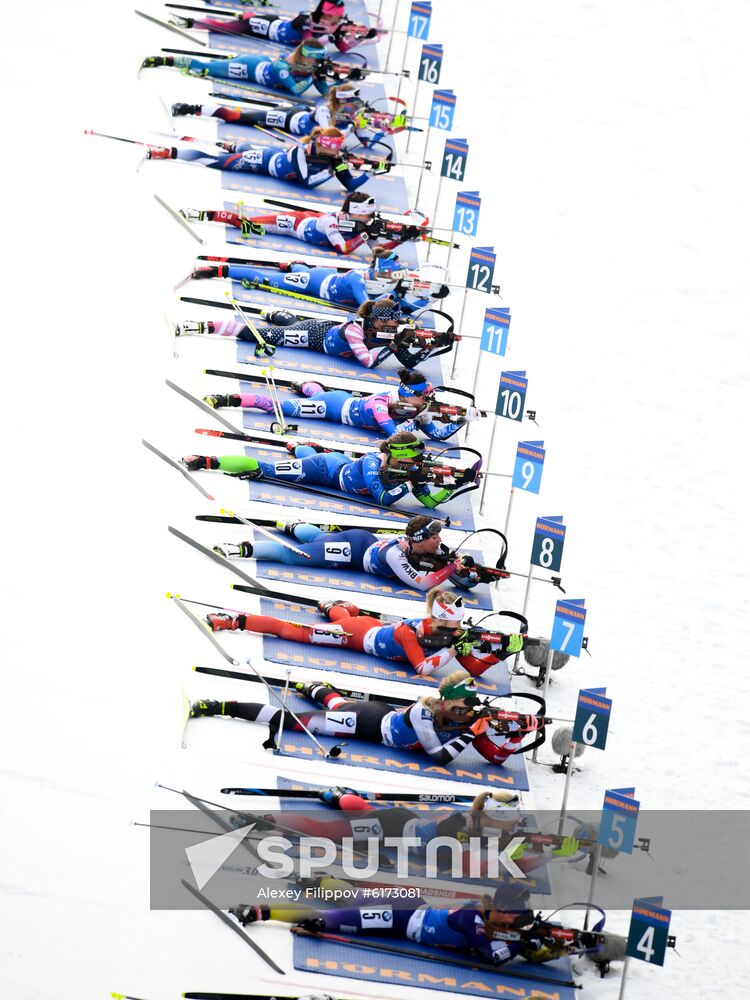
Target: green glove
{"points": [[433, 499], [519, 851], [568, 847], [463, 647], [515, 643]]}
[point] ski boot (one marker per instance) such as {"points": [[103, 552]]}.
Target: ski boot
{"points": [[200, 708], [219, 400], [278, 317], [219, 622], [232, 550], [212, 271], [195, 462], [193, 215], [319, 449], [287, 527], [192, 328], [245, 915], [325, 607], [306, 688], [152, 62], [313, 924], [185, 109]]}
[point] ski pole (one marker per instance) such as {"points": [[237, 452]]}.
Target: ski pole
{"points": [[180, 219], [172, 27], [263, 347], [274, 538], [274, 394], [333, 752]]}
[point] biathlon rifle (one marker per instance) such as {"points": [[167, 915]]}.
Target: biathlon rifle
{"points": [[404, 232], [473, 636]]}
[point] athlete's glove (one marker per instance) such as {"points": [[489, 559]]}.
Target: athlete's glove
{"points": [[464, 647], [472, 413], [519, 852], [376, 228], [479, 727], [500, 952], [515, 643], [568, 848]]}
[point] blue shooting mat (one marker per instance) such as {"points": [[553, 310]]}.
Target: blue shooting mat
{"points": [[336, 502], [495, 681], [364, 584], [333, 959], [469, 767], [318, 365]]}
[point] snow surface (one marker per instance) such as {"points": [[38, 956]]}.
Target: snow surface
{"points": [[609, 143]]}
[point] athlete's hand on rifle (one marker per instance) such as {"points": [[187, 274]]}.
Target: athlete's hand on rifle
{"points": [[479, 727], [377, 228], [568, 848], [464, 647], [515, 643], [340, 71]]}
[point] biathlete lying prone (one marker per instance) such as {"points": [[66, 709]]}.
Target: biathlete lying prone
{"points": [[427, 643], [327, 23], [345, 286], [396, 469], [415, 558], [441, 727], [408, 403]]}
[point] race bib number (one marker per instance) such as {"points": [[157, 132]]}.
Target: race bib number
{"points": [[299, 278], [327, 637], [337, 552], [339, 723], [237, 70], [258, 26], [381, 916], [309, 408], [285, 222], [253, 156], [295, 338], [289, 467]]}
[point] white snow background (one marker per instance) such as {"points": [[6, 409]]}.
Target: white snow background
{"points": [[609, 143]]}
